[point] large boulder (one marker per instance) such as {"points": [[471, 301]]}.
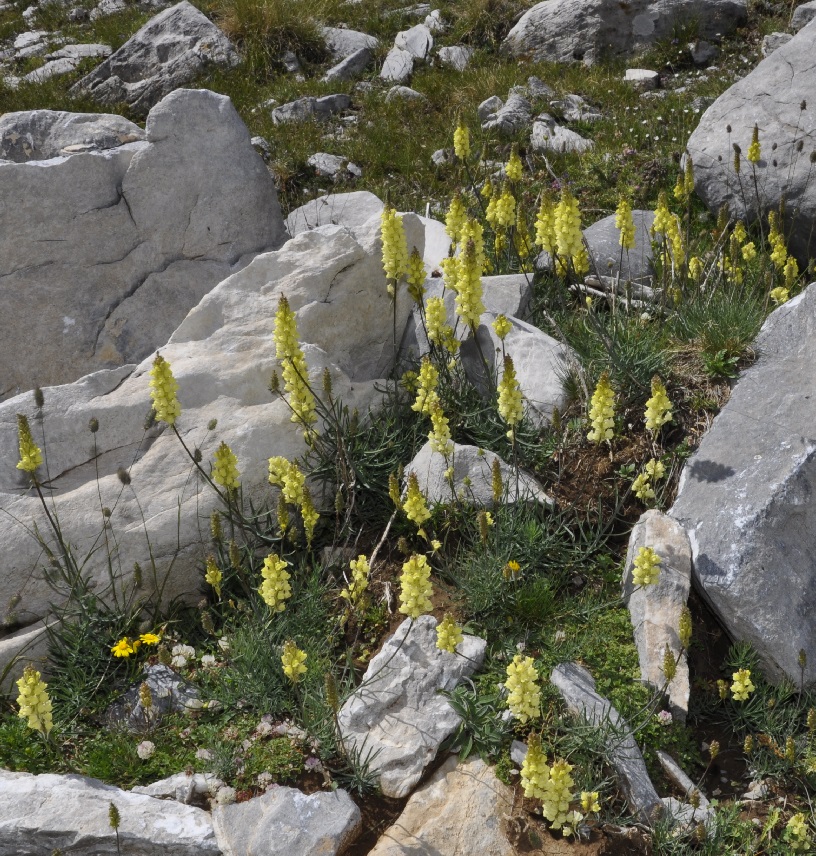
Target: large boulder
{"points": [[222, 356], [139, 226], [49, 813], [745, 499], [169, 51], [397, 719], [771, 97], [586, 30]]}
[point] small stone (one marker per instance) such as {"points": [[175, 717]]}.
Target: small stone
{"points": [[351, 66], [456, 57], [489, 106], [548, 135], [773, 41], [398, 66], [642, 78], [403, 93], [417, 41], [703, 52]]}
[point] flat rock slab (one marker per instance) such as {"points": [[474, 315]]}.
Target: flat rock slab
{"points": [[396, 717], [310, 108], [606, 258], [456, 57], [168, 52], [514, 115], [587, 30], [125, 260], [770, 96], [189, 789], [459, 811], [418, 41], [745, 498], [351, 66], [342, 43], [577, 688], [549, 136], [398, 66], [351, 210], [472, 481], [655, 609], [39, 814], [287, 822]]}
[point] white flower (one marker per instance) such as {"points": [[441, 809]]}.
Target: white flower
{"points": [[183, 651], [223, 643], [225, 795], [178, 662], [207, 660], [145, 749]]}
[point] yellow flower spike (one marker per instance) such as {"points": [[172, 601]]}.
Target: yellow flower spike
{"points": [[123, 648], [436, 317], [455, 218], [695, 267], [742, 686], [642, 487], [790, 272], [558, 794], [34, 703], [474, 231], [524, 695], [684, 627], [506, 208], [602, 411], [658, 407], [655, 469], [288, 477], [415, 587], [213, 575], [754, 152], [513, 167], [589, 802], [440, 435], [293, 367], [360, 569], [796, 834], [163, 388], [779, 295], [416, 277], [293, 661], [394, 244], [535, 772], [30, 453], [450, 272], [545, 225], [689, 175], [625, 224], [275, 589], [510, 398], [739, 232], [502, 326], [448, 634], [461, 141], [779, 253], [309, 514], [646, 568], [394, 490], [469, 306], [567, 222], [663, 216], [415, 507], [487, 190], [427, 381], [496, 480], [225, 468]]}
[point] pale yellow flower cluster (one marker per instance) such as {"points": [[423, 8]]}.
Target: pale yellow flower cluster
{"points": [[568, 236], [360, 570], [461, 141], [602, 411], [35, 705], [558, 796], [448, 634], [642, 485], [294, 661], [658, 407], [502, 326], [213, 575], [225, 468], [524, 699], [510, 398], [294, 368], [415, 587], [754, 151], [625, 224], [415, 507], [440, 435], [394, 244], [505, 210], [30, 453], [469, 306], [427, 397], [436, 318], [685, 181], [163, 388], [455, 218], [646, 567], [513, 167], [288, 476], [415, 276], [545, 225], [796, 833], [275, 589], [743, 685]]}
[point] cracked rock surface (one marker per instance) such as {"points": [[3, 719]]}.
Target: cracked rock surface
{"points": [[114, 233]]}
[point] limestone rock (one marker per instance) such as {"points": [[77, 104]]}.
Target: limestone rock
{"points": [[513, 116], [404, 93], [548, 135], [586, 30], [655, 609], [744, 498], [170, 694], [773, 41], [456, 57], [396, 717], [342, 43], [126, 260], [41, 813], [398, 66], [81, 52], [333, 166], [417, 41], [286, 822], [575, 109], [351, 210], [459, 811], [222, 356], [310, 108], [351, 66], [53, 68], [189, 789], [603, 242], [539, 360], [476, 465], [19, 649], [489, 106], [168, 52], [769, 96], [577, 688], [802, 15]]}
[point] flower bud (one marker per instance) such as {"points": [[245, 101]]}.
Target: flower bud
{"points": [[684, 627], [669, 664], [39, 398], [123, 475], [714, 749], [748, 744]]}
